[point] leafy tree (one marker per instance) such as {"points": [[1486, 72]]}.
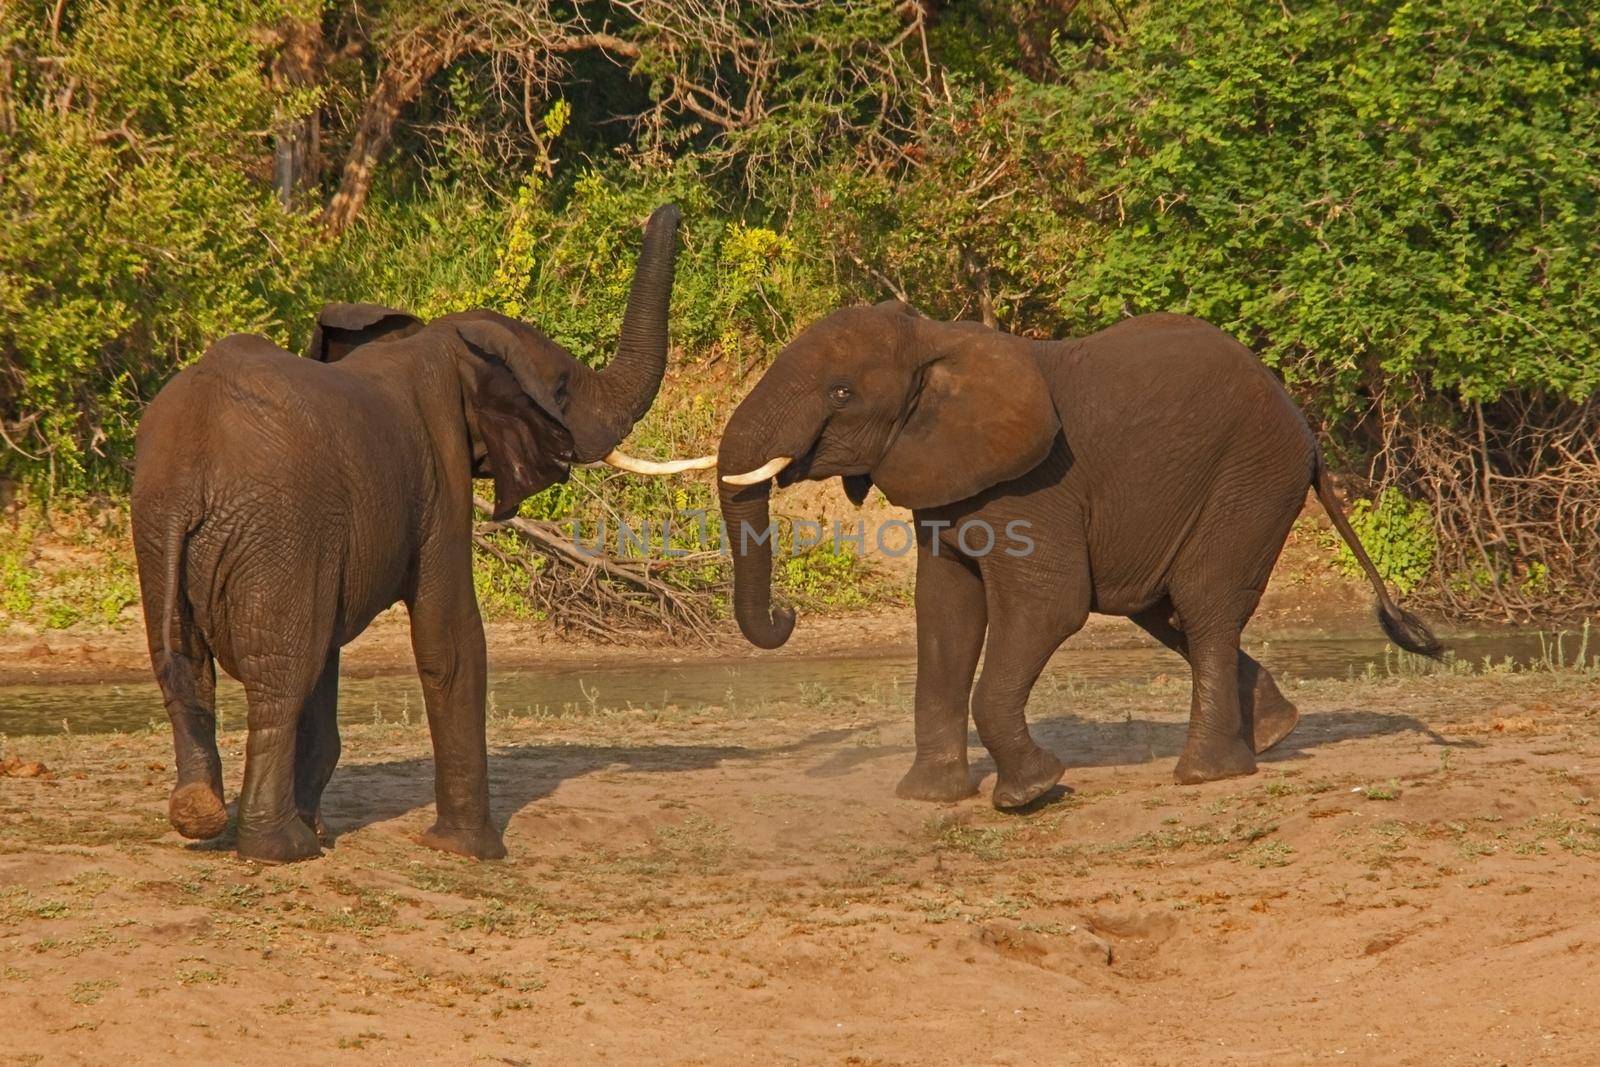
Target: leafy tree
{"points": [[1382, 197], [135, 224]]}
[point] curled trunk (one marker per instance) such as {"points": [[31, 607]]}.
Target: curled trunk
{"points": [[745, 512]]}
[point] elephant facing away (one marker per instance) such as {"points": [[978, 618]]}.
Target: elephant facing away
{"points": [[1152, 470], [280, 503]]}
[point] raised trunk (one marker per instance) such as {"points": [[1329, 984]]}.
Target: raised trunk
{"points": [[618, 396], [745, 513]]}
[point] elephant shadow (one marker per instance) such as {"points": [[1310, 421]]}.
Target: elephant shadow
{"points": [[362, 794], [519, 775], [1080, 742]]}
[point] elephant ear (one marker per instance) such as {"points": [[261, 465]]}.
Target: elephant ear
{"points": [[980, 415], [515, 417], [342, 328], [856, 487]]}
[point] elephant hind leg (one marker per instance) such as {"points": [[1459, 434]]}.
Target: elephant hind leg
{"points": [[271, 829], [316, 745], [188, 679], [1218, 745], [1267, 715]]}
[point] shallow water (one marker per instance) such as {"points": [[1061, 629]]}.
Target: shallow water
{"points": [[99, 708]]}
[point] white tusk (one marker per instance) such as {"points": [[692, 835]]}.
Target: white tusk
{"points": [[761, 473], [624, 462]]}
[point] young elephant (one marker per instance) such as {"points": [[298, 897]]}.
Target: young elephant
{"points": [[280, 503], [1150, 470]]}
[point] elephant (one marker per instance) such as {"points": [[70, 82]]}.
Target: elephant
{"points": [[280, 503], [1150, 470]]}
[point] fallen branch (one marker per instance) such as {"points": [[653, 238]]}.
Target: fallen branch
{"points": [[602, 596]]}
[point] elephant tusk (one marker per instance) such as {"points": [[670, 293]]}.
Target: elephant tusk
{"points": [[624, 462], [761, 473]]}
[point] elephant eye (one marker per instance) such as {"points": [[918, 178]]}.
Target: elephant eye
{"points": [[839, 393]]}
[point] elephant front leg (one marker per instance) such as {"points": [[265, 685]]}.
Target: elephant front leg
{"points": [[447, 637], [951, 618], [1025, 629]]}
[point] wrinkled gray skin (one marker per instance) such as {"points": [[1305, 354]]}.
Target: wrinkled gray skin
{"points": [[1157, 466], [280, 503]]}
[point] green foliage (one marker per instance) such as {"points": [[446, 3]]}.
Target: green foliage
{"points": [[1399, 538], [562, 255], [74, 566], [824, 578], [133, 226], [1383, 198]]}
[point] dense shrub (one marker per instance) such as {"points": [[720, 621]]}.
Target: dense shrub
{"points": [[134, 225], [1383, 198]]}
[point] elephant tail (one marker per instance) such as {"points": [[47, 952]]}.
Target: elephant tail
{"points": [[175, 678], [1401, 627]]}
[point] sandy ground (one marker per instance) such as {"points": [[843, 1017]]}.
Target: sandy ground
{"points": [[1409, 880]]}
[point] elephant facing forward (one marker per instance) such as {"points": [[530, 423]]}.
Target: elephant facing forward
{"points": [[280, 503], [1154, 470]]}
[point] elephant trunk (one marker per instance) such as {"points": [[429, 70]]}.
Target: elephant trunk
{"points": [[745, 513], [618, 395]]}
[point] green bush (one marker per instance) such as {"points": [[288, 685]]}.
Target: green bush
{"points": [[135, 226], [1399, 538], [1383, 198]]}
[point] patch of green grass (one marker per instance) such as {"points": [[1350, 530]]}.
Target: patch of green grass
{"points": [[700, 843], [983, 842], [189, 976], [91, 991], [73, 564], [1266, 854], [1390, 790]]}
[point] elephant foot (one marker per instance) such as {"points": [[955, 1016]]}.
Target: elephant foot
{"points": [[1274, 719], [196, 811], [1027, 781], [314, 820], [479, 843], [1210, 760], [292, 842], [939, 781]]}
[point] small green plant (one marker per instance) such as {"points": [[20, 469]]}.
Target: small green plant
{"points": [[1389, 790], [1265, 854], [1397, 534]]}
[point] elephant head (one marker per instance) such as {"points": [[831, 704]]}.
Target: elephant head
{"points": [[533, 407], [930, 412]]}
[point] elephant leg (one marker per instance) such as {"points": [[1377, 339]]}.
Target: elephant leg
{"points": [[189, 689], [1216, 746], [1026, 626], [270, 827], [316, 745], [1268, 716], [951, 619], [447, 637]]}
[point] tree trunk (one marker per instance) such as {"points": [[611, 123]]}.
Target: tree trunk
{"points": [[415, 60], [294, 155]]}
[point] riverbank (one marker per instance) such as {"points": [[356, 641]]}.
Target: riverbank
{"points": [[1409, 880], [1306, 598]]}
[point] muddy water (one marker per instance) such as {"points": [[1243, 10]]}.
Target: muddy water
{"points": [[98, 708]]}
